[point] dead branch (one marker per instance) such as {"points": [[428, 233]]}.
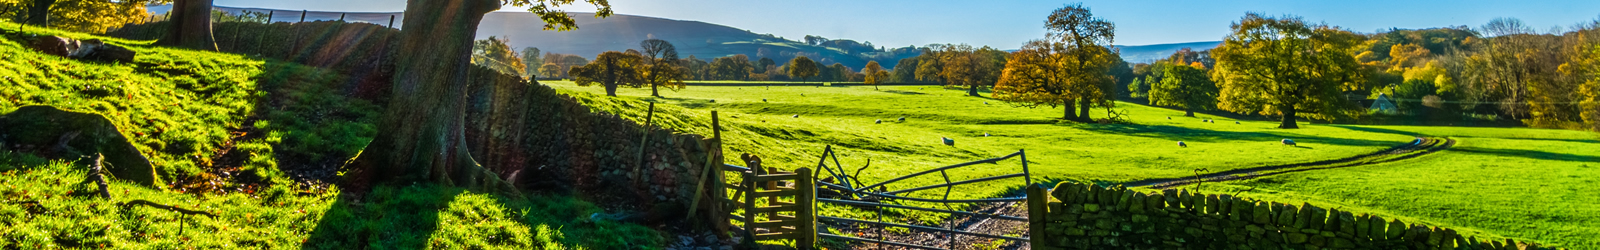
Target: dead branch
{"points": [[97, 177], [169, 208]]}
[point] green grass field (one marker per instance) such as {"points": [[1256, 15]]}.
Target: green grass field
{"points": [[1496, 182], [179, 107]]}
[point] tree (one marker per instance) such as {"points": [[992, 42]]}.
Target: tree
{"points": [[930, 66], [1072, 65], [874, 74], [611, 69], [802, 67], [550, 70], [495, 53], [764, 63], [90, 16], [735, 67], [532, 61], [660, 67], [1284, 66], [906, 71], [421, 136], [1187, 87], [190, 26]]}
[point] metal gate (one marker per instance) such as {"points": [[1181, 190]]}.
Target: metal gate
{"points": [[851, 192]]}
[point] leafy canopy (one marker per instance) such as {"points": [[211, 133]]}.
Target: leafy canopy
{"points": [[1285, 66]]}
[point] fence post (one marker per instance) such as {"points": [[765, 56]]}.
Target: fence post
{"points": [[341, 17], [644, 141], [806, 198], [269, 16], [749, 186], [391, 21], [1038, 199], [303, 16], [719, 186]]}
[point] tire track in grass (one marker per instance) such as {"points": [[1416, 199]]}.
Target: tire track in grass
{"points": [[1419, 147]]}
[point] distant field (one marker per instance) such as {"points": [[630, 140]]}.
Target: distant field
{"points": [[1523, 183], [1497, 182]]}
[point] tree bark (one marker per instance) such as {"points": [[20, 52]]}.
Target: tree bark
{"points": [[611, 89], [190, 26], [972, 90], [653, 91], [39, 13], [422, 135], [1083, 107], [1068, 112], [1288, 118], [1188, 112]]}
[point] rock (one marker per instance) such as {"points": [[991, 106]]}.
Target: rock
{"points": [[54, 45], [84, 133]]}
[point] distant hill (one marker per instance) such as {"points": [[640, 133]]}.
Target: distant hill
{"points": [[621, 32], [700, 39], [1153, 52]]}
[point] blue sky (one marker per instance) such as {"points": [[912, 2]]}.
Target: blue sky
{"points": [[1008, 24]]}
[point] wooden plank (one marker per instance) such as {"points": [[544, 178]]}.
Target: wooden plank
{"points": [[777, 224], [776, 193], [775, 177], [771, 209], [778, 236]]}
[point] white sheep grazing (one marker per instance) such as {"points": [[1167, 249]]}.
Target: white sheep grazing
{"points": [[1235, 122], [1288, 142], [948, 141], [879, 121], [985, 134], [1181, 144], [763, 99], [985, 103], [796, 116], [902, 119], [1169, 118]]}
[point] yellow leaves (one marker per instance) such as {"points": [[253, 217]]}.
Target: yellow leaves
{"points": [[1197, 65]]}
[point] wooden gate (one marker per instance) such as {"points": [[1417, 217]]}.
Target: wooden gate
{"points": [[774, 205]]}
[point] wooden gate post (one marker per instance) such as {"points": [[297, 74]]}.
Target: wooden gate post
{"points": [[749, 206], [1038, 198], [806, 198]]}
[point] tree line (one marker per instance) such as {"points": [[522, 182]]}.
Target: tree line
{"points": [[1502, 70]]}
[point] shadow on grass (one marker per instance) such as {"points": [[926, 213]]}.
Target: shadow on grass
{"points": [[903, 92], [1214, 136], [1530, 154], [435, 217], [395, 218]]}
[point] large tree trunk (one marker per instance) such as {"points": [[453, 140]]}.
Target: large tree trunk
{"points": [[421, 136], [1188, 112], [1083, 108], [653, 91], [1288, 118], [190, 26], [972, 90], [39, 13], [611, 89], [1068, 112]]}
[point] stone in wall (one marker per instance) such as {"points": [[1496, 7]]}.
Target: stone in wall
{"points": [[1086, 216]]}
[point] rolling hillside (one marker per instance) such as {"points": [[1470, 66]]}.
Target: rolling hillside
{"points": [[1153, 52]]}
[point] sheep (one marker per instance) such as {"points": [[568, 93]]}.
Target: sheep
{"points": [[948, 141], [985, 103], [796, 116], [879, 121], [1235, 122], [985, 134], [1288, 142], [902, 119], [713, 100], [1169, 118], [763, 99], [1181, 144]]}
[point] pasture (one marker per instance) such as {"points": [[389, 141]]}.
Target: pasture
{"points": [[1498, 182]]}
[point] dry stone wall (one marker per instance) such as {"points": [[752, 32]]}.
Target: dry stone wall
{"points": [[544, 140], [1086, 216]]}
